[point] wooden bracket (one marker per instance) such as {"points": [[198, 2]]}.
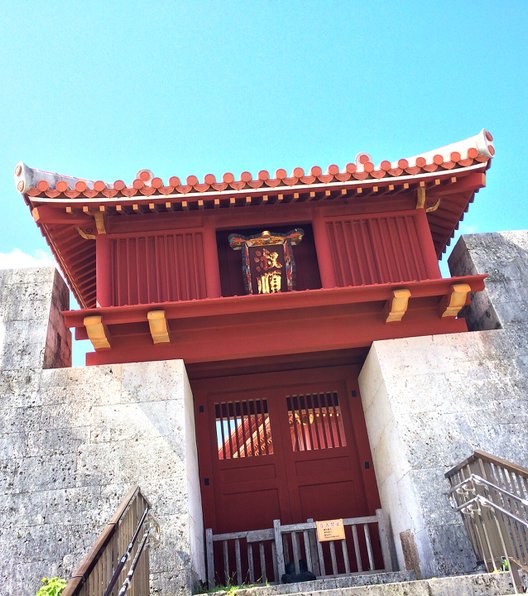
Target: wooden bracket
{"points": [[420, 201], [35, 214], [159, 329], [85, 235], [398, 305], [433, 207], [453, 302], [97, 332], [99, 222]]}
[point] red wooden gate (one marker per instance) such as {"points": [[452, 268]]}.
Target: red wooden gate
{"points": [[284, 445]]}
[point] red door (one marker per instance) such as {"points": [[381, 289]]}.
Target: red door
{"points": [[286, 445]]}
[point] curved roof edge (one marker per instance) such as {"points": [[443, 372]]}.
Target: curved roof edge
{"points": [[475, 149]]}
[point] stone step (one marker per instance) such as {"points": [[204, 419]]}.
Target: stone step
{"points": [[388, 584]]}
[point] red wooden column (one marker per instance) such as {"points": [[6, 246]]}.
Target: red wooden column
{"points": [[103, 270], [212, 269], [428, 249], [322, 248]]}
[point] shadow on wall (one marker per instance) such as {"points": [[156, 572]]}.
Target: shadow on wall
{"points": [[503, 256]]}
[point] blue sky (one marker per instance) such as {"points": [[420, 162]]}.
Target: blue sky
{"points": [[102, 89]]}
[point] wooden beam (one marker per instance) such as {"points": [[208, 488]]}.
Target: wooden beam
{"points": [[397, 307], [455, 300], [97, 332], [472, 182], [159, 329], [48, 214]]}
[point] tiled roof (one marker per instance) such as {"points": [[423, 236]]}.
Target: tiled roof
{"points": [[474, 150], [454, 173]]}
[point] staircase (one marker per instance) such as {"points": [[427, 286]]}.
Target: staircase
{"points": [[389, 584], [491, 495]]}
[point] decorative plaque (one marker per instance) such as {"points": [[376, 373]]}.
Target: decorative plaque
{"points": [[268, 264]]}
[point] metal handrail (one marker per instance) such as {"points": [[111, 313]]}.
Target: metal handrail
{"points": [[124, 558], [482, 481], [491, 495]]}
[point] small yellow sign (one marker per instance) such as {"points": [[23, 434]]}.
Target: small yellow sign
{"points": [[330, 529]]}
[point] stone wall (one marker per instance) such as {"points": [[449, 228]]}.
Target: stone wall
{"points": [[74, 440], [430, 401]]}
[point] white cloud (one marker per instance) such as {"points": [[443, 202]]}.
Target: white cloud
{"points": [[18, 258], [468, 228]]}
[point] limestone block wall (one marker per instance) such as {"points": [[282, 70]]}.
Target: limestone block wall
{"points": [[74, 440], [430, 401], [31, 329]]}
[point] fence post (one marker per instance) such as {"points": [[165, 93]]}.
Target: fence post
{"points": [[384, 540], [210, 558], [279, 548], [313, 549]]}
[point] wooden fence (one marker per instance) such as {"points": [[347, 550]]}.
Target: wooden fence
{"points": [[264, 556]]}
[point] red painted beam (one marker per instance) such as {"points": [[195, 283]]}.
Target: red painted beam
{"points": [[237, 305], [266, 336]]}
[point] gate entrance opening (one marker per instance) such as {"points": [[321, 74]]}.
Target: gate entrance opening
{"points": [[288, 445]]}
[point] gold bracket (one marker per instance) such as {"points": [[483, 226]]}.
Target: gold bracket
{"points": [[420, 201], [398, 305], [99, 222], [434, 207], [35, 214], [454, 302], [97, 332], [159, 329], [85, 235]]}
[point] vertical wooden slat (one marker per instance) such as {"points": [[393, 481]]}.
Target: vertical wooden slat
{"points": [[346, 560], [307, 427], [315, 412], [231, 436], [328, 424], [219, 427], [384, 540], [227, 577], [369, 547], [364, 236], [357, 258], [276, 577], [307, 551], [357, 552], [291, 408], [333, 557], [295, 551], [251, 567], [334, 250], [263, 571], [320, 423], [313, 548], [209, 549], [238, 561], [321, 558], [265, 426], [382, 247], [278, 547], [245, 430]]}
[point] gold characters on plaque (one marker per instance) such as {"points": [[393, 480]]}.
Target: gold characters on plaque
{"points": [[267, 266]]}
